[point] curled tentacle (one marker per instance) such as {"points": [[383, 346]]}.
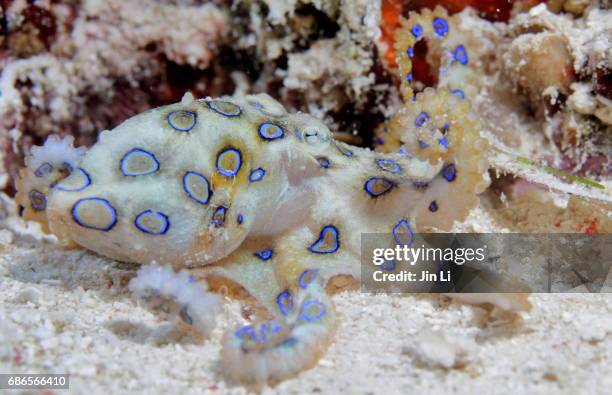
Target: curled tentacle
{"points": [[45, 167], [438, 126], [447, 53], [178, 296], [279, 348]]}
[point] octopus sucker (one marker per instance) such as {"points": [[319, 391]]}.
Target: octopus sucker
{"points": [[236, 189]]}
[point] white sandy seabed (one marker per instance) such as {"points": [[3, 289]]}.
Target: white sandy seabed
{"points": [[62, 311]]}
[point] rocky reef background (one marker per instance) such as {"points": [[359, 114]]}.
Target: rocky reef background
{"points": [[77, 67]]}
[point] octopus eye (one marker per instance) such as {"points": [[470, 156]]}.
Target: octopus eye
{"points": [[377, 186], [264, 255], [284, 300], [197, 187], [460, 54], [440, 26], [417, 30], [154, 223], [218, 218], [138, 162], [181, 120], [312, 136], [224, 108], [450, 173], [94, 213], [43, 170], [403, 233], [421, 119], [433, 206], [312, 310], [77, 181], [229, 161], [328, 241], [388, 165], [38, 200], [307, 277], [257, 175], [269, 131]]}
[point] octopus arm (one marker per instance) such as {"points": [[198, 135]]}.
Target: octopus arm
{"points": [[45, 167]]}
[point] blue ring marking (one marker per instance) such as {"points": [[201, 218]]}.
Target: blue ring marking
{"points": [[192, 115], [138, 151], [420, 184], [369, 185], [459, 93], [265, 255], [274, 326], [433, 206], [344, 151], [378, 140], [443, 142], [270, 131], [388, 265], [417, 30], [409, 77], [43, 169], [240, 219], [323, 162], [200, 178], [389, 165], [403, 224], [421, 119], [317, 247], [284, 300], [86, 178], [246, 330], [445, 128], [106, 204], [306, 317], [219, 212], [307, 277], [257, 175], [450, 172], [229, 172], [423, 144], [159, 215], [461, 55], [38, 200], [410, 52], [215, 105], [440, 26]]}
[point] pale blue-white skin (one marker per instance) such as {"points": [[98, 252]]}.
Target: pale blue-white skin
{"points": [[238, 188]]}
